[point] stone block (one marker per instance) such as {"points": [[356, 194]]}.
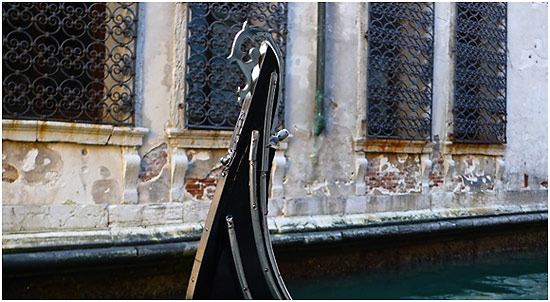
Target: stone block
{"points": [[523, 197], [443, 200], [355, 205], [379, 203], [412, 202], [162, 213], [462, 200], [53, 217], [125, 215], [303, 206], [275, 207], [334, 205], [196, 210]]}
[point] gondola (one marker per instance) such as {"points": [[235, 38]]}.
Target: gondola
{"points": [[235, 258]]}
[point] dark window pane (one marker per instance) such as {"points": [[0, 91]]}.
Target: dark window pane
{"points": [[211, 99], [71, 62], [400, 70], [480, 73]]}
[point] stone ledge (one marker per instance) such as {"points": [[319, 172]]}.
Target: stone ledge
{"points": [[466, 223], [125, 236], [53, 217], [377, 145], [474, 149], [207, 139], [18, 260], [81, 133], [314, 223], [116, 236], [144, 215], [26, 218], [324, 205], [204, 139]]}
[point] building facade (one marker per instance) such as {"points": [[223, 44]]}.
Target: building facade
{"points": [[427, 112]]}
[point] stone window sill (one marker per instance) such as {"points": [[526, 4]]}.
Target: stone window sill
{"points": [[376, 145], [81, 133], [477, 149], [203, 139]]}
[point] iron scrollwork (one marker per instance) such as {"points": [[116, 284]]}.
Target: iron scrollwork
{"points": [[211, 100], [480, 73], [70, 62], [400, 70]]}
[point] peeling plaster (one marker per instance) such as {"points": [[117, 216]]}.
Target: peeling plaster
{"points": [[106, 190], [9, 173], [202, 156], [474, 173], [154, 175], [153, 162], [391, 174], [317, 188], [38, 165]]}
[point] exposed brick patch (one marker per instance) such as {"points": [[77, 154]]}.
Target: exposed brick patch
{"points": [[393, 174], [436, 174], [436, 181], [153, 162], [544, 184], [201, 187], [9, 173]]}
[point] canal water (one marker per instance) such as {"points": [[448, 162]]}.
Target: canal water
{"points": [[513, 276]]}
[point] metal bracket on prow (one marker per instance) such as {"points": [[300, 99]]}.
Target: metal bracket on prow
{"points": [[278, 137], [237, 257], [256, 207]]}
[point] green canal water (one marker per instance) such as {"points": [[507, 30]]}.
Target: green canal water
{"points": [[517, 276]]}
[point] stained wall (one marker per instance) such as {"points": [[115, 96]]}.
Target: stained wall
{"points": [[164, 175]]}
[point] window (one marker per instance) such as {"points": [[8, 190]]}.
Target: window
{"points": [[400, 70], [72, 62], [480, 73], [211, 99]]}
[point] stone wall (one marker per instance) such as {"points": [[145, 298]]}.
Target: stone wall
{"points": [[73, 177]]}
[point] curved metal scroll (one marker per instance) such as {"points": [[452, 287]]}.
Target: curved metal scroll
{"points": [[235, 257]]}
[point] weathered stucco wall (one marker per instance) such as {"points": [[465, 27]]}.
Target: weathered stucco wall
{"points": [[300, 95], [329, 180], [158, 44], [156, 88], [55, 174], [527, 103], [323, 165]]}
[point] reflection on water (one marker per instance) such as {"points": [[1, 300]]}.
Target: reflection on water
{"points": [[517, 276], [529, 286]]}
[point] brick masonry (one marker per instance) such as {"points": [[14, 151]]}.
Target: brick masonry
{"points": [[393, 173], [201, 188]]}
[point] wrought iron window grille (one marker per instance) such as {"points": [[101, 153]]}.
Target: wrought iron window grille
{"points": [[480, 73], [67, 61], [400, 70], [211, 82]]}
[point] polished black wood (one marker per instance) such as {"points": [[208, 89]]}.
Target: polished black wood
{"points": [[242, 190]]}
